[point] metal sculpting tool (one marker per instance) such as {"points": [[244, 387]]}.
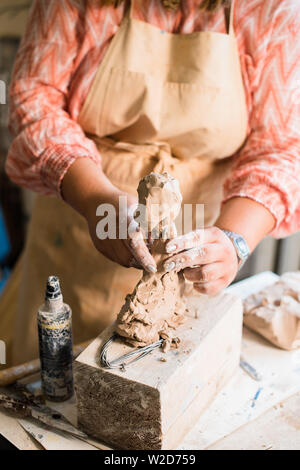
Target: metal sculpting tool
{"points": [[24, 405]]}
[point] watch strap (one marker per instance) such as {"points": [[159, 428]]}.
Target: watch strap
{"points": [[234, 237]]}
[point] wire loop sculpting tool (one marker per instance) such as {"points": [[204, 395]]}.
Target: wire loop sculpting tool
{"points": [[127, 359]]}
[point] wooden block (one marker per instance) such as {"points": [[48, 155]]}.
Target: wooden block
{"points": [[153, 404]]}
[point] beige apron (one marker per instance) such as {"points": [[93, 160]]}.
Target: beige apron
{"points": [[167, 102]]}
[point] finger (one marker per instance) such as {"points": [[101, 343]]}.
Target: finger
{"points": [[123, 255], [194, 239], [203, 254], [120, 254], [208, 273], [210, 288], [133, 263], [138, 248]]}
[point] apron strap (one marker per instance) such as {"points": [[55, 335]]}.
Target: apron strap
{"points": [[229, 16], [131, 4]]}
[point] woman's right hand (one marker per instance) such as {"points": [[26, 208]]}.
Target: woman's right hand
{"points": [[85, 187], [131, 251]]}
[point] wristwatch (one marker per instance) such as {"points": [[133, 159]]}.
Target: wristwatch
{"points": [[240, 245]]}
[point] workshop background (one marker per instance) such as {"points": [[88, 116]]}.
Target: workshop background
{"points": [[16, 204]]}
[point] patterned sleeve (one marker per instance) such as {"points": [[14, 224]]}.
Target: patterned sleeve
{"points": [[267, 169], [46, 140]]}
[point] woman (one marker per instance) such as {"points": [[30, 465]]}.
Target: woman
{"points": [[105, 92]]}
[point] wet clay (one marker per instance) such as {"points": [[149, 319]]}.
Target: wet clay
{"points": [[156, 307], [274, 312]]}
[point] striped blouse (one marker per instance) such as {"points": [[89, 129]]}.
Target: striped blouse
{"points": [[58, 58]]}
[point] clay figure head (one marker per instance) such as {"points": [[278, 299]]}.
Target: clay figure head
{"points": [[160, 196]]}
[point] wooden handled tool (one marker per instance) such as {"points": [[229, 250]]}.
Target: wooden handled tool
{"points": [[24, 404], [9, 376]]}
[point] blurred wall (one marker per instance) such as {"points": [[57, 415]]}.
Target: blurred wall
{"points": [[15, 202], [13, 15]]}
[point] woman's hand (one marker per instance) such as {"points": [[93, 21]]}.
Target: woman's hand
{"points": [[85, 187], [207, 257], [130, 252]]}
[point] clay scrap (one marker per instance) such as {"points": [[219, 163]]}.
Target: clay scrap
{"points": [[156, 307], [274, 312]]}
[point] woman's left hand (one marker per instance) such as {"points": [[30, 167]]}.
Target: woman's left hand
{"points": [[207, 257]]}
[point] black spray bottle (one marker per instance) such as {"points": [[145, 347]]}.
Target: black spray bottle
{"points": [[55, 343]]}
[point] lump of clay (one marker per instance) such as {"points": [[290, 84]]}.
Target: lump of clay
{"points": [[274, 312], [156, 306]]}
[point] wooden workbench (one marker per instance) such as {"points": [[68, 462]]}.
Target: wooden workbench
{"points": [[246, 415]]}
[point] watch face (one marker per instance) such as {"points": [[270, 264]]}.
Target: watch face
{"points": [[242, 247]]}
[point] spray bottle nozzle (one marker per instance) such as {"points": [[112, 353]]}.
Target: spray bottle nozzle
{"points": [[53, 288]]}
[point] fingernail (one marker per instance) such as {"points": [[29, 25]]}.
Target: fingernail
{"points": [[170, 266], [171, 248], [152, 268]]}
